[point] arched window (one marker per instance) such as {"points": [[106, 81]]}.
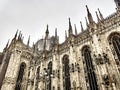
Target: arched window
{"points": [[66, 73], [37, 78], [49, 74], [115, 41], [20, 76], [89, 69]]}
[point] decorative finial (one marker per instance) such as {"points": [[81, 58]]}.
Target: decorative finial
{"points": [[86, 22], [69, 22], [47, 31], [55, 32], [56, 37], [101, 16], [97, 16], [87, 9], [81, 26], [75, 29], [65, 34], [28, 41], [19, 36]]}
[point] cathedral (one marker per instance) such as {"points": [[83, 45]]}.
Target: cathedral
{"points": [[89, 60]]}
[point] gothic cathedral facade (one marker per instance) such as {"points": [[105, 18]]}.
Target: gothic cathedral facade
{"points": [[89, 60]]}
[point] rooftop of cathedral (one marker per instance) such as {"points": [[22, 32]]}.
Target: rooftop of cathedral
{"points": [[102, 23]]}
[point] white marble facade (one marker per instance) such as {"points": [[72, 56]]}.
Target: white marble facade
{"points": [[89, 60]]}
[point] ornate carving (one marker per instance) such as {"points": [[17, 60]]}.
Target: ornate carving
{"points": [[18, 51], [106, 80], [27, 55], [105, 57], [36, 58], [74, 67], [9, 80], [101, 59], [78, 67]]}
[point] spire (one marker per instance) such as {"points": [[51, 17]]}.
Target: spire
{"points": [[70, 28], [28, 42], [56, 37], [19, 36], [75, 29], [55, 32], [90, 18], [14, 39], [47, 31], [101, 16], [46, 37], [81, 26], [34, 47], [65, 34], [97, 16], [86, 22], [16, 34]]}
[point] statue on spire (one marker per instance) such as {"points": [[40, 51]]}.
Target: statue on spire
{"points": [[75, 29], [56, 37], [70, 28], [47, 32]]}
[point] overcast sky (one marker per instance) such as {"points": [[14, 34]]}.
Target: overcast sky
{"points": [[32, 16]]}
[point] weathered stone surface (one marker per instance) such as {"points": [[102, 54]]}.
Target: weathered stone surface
{"points": [[38, 75]]}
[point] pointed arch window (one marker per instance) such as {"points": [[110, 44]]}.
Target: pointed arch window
{"points": [[20, 76], [115, 41], [49, 75], [37, 77], [66, 73], [90, 69]]}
